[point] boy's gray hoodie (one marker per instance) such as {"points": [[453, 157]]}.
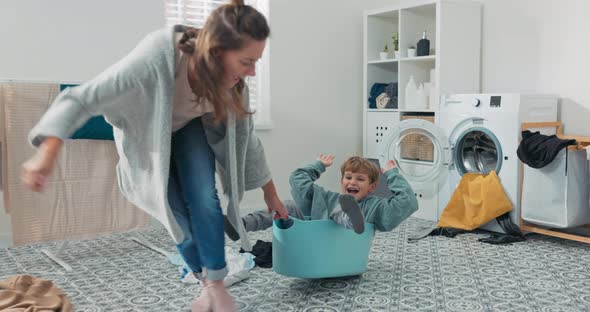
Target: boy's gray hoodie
{"points": [[384, 213]]}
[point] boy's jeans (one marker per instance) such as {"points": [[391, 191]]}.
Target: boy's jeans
{"points": [[193, 199], [262, 219]]}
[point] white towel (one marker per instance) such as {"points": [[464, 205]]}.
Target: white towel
{"points": [[238, 266]]}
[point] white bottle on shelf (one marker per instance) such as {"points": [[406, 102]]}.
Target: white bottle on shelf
{"points": [[432, 99], [433, 76], [410, 94], [432, 96], [428, 92], [421, 98]]}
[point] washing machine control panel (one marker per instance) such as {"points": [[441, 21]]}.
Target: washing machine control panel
{"points": [[495, 101]]}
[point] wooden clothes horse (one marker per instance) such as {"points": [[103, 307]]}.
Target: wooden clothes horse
{"points": [[82, 198]]}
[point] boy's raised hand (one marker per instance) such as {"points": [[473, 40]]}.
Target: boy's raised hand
{"points": [[327, 160], [390, 165]]}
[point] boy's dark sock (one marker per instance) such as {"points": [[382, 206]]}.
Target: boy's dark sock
{"points": [[352, 209], [229, 229]]}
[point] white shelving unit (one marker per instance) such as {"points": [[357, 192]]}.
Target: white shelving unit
{"points": [[454, 30]]}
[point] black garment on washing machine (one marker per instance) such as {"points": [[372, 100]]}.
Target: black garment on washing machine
{"points": [[538, 150]]}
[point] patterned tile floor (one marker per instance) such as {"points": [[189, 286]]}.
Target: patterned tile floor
{"points": [[113, 273]]}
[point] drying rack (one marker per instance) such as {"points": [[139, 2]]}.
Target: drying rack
{"points": [[136, 237], [581, 143]]}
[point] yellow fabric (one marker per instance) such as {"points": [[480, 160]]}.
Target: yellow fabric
{"points": [[477, 200]]}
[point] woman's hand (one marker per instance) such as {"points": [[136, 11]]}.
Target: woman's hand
{"points": [[276, 205], [271, 198], [37, 169], [327, 160]]}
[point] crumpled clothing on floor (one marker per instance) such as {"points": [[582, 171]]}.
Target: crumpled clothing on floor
{"points": [[263, 254], [238, 266], [26, 293]]}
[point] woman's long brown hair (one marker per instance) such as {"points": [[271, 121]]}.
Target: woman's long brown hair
{"points": [[227, 28]]}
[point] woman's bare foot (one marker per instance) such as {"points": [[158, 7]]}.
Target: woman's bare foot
{"points": [[203, 302], [221, 300]]}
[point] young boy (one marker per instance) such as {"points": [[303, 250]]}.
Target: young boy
{"points": [[352, 207]]}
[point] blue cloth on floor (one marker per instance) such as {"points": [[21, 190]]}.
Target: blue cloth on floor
{"points": [[177, 260]]}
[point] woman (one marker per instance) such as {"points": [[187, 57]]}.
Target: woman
{"points": [[178, 104]]}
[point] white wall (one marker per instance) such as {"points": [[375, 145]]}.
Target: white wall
{"points": [[540, 46], [68, 39]]}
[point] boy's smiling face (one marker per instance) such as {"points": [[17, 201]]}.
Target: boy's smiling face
{"points": [[356, 184]]}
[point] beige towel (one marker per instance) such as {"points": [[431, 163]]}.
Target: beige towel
{"points": [[82, 197], [26, 293]]}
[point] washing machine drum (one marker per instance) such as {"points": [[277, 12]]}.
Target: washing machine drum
{"points": [[477, 150]]}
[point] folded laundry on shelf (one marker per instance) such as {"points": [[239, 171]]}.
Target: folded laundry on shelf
{"points": [[390, 89]]}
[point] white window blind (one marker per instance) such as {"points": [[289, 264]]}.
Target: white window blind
{"points": [[194, 13]]}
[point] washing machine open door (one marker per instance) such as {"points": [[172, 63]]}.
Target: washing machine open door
{"points": [[421, 151], [475, 148]]}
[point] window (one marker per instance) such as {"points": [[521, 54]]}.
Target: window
{"points": [[195, 13]]}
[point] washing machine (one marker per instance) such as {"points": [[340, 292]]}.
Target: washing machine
{"points": [[473, 133]]}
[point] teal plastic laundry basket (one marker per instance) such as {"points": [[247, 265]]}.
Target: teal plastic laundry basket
{"points": [[320, 249]]}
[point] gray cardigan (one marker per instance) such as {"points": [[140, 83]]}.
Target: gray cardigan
{"points": [[135, 96]]}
